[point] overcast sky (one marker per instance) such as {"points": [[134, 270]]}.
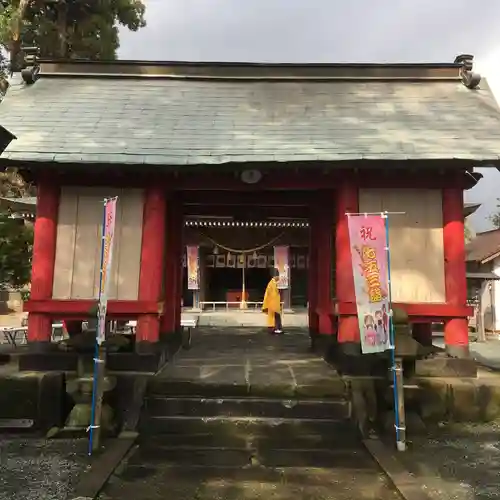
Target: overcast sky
{"points": [[328, 31]]}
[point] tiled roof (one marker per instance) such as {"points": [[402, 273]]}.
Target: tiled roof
{"points": [[470, 208], [483, 246], [192, 121], [27, 203]]}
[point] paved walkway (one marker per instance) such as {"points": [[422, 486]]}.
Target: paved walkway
{"points": [[248, 359], [235, 318], [246, 451], [486, 353]]}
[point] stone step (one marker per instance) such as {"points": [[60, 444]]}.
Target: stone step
{"points": [[5, 358], [251, 407], [226, 457], [238, 425], [333, 387], [346, 436], [236, 483]]}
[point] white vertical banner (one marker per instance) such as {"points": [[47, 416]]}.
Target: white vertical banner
{"points": [[108, 235], [281, 263], [370, 268]]}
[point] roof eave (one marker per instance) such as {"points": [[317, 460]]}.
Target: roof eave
{"points": [[470, 208], [491, 257], [6, 137]]}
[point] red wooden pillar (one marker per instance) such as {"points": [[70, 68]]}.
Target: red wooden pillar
{"points": [[43, 260], [173, 269], [347, 202], [456, 331], [178, 268], [312, 274], [324, 249], [151, 273]]}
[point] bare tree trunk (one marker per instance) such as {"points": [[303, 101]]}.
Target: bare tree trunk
{"points": [[16, 34], [62, 27]]}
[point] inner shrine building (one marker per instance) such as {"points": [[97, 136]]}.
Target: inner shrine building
{"points": [[238, 159]]}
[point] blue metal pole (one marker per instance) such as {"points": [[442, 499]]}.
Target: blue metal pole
{"points": [[391, 328], [96, 350]]}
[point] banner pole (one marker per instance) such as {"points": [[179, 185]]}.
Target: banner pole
{"points": [[108, 229], [396, 364], [94, 419]]}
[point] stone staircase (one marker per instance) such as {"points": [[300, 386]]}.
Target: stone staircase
{"points": [[207, 428], [247, 415]]}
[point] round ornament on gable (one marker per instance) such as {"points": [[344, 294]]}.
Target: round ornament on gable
{"points": [[251, 176]]}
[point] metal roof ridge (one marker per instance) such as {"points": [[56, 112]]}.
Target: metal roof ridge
{"points": [[250, 71], [249, 78], [460, 69], [229, 64]]}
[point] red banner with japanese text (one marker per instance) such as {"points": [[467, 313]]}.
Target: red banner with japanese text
{"points": [[281, 258], [193, 267]]}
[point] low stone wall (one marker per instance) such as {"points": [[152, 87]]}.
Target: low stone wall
{"points": [[40, 397], [428, 401], [457, 400]]}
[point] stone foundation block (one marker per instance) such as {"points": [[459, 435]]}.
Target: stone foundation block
{"points": [[459, 400], [40, 397], [443, 366]]}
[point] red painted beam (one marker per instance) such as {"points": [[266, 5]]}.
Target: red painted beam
{"points": [[277, 177], [262, 198], [315, 178], [254, 212], [277, 180], [55, 308]]}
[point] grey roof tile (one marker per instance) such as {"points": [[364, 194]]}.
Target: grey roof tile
{"points": [[186, 122]]}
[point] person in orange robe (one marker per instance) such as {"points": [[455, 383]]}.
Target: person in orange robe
{"points": [[272, 305]]}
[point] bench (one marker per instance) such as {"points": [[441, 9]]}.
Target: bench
{"points": [[15, 335], [187, 325]]}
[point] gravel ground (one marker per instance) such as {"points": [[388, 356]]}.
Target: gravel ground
{"points": [[460, 462], [37, 469], [454, 462]]}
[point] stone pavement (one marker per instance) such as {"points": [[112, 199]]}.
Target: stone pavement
{"points": [[486, 353], [268, 437], [242, 357], [361, 482], [298, 318]]}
